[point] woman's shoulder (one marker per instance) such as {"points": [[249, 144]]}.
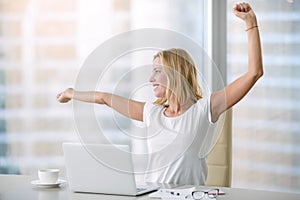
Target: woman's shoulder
{"points": [[151, 111], [150, 106], [203, 101]]}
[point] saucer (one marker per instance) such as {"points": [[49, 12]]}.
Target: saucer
{"points": [[41, 184]]}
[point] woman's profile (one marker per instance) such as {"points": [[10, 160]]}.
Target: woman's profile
{"points": [[180, 107]]}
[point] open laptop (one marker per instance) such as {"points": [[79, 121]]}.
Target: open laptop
{"points": [[101, 168]]}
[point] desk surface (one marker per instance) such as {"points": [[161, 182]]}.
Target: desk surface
{"points": [[18, 187]]}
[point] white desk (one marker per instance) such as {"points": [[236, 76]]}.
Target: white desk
{"points": [[18, 187]]}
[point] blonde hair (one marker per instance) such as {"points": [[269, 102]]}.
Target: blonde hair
{"points": [[182, 76]]}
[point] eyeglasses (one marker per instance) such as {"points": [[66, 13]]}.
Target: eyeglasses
{"points": [[197, 195]]}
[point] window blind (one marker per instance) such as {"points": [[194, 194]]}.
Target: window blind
{"points": [[266, 123]]}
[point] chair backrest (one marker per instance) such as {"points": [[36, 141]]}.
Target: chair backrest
{"points": [[219, 160]]}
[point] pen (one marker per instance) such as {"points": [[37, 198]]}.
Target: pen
{"points": [[172, 192], [175, 193]]}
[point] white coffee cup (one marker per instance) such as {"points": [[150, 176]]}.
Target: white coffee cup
{"points": [[48, 175]]}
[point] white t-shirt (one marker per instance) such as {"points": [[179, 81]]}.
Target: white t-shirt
{"points": [[177, 146]]}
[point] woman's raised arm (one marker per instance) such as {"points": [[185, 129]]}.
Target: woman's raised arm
{"points": [[235, 91]]}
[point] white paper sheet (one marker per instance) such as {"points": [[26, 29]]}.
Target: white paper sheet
{"points": [[174, 194]]}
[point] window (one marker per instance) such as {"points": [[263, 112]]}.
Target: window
{"points": [[43, 45], [266, 123], [38, 55]]}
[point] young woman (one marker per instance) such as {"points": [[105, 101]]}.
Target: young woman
{"points": [[181, 118]]}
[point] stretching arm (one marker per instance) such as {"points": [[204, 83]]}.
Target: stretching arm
{"points": [[234, 92], [129, 108]]}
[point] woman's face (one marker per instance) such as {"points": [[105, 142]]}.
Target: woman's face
{"points": [[158, 79]]}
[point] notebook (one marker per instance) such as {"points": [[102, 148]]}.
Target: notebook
{"points": [[102, 168]]}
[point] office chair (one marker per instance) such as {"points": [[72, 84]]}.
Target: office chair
{"points": [[219, 159]]}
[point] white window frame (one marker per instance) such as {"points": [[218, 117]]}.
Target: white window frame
{"points": [[216, 40]]}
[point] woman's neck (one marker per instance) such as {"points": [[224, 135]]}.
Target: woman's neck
{"points": [[174, 109]]}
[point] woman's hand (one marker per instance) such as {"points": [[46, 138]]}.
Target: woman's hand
{"points": [[65, 96], [245, 12]]}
